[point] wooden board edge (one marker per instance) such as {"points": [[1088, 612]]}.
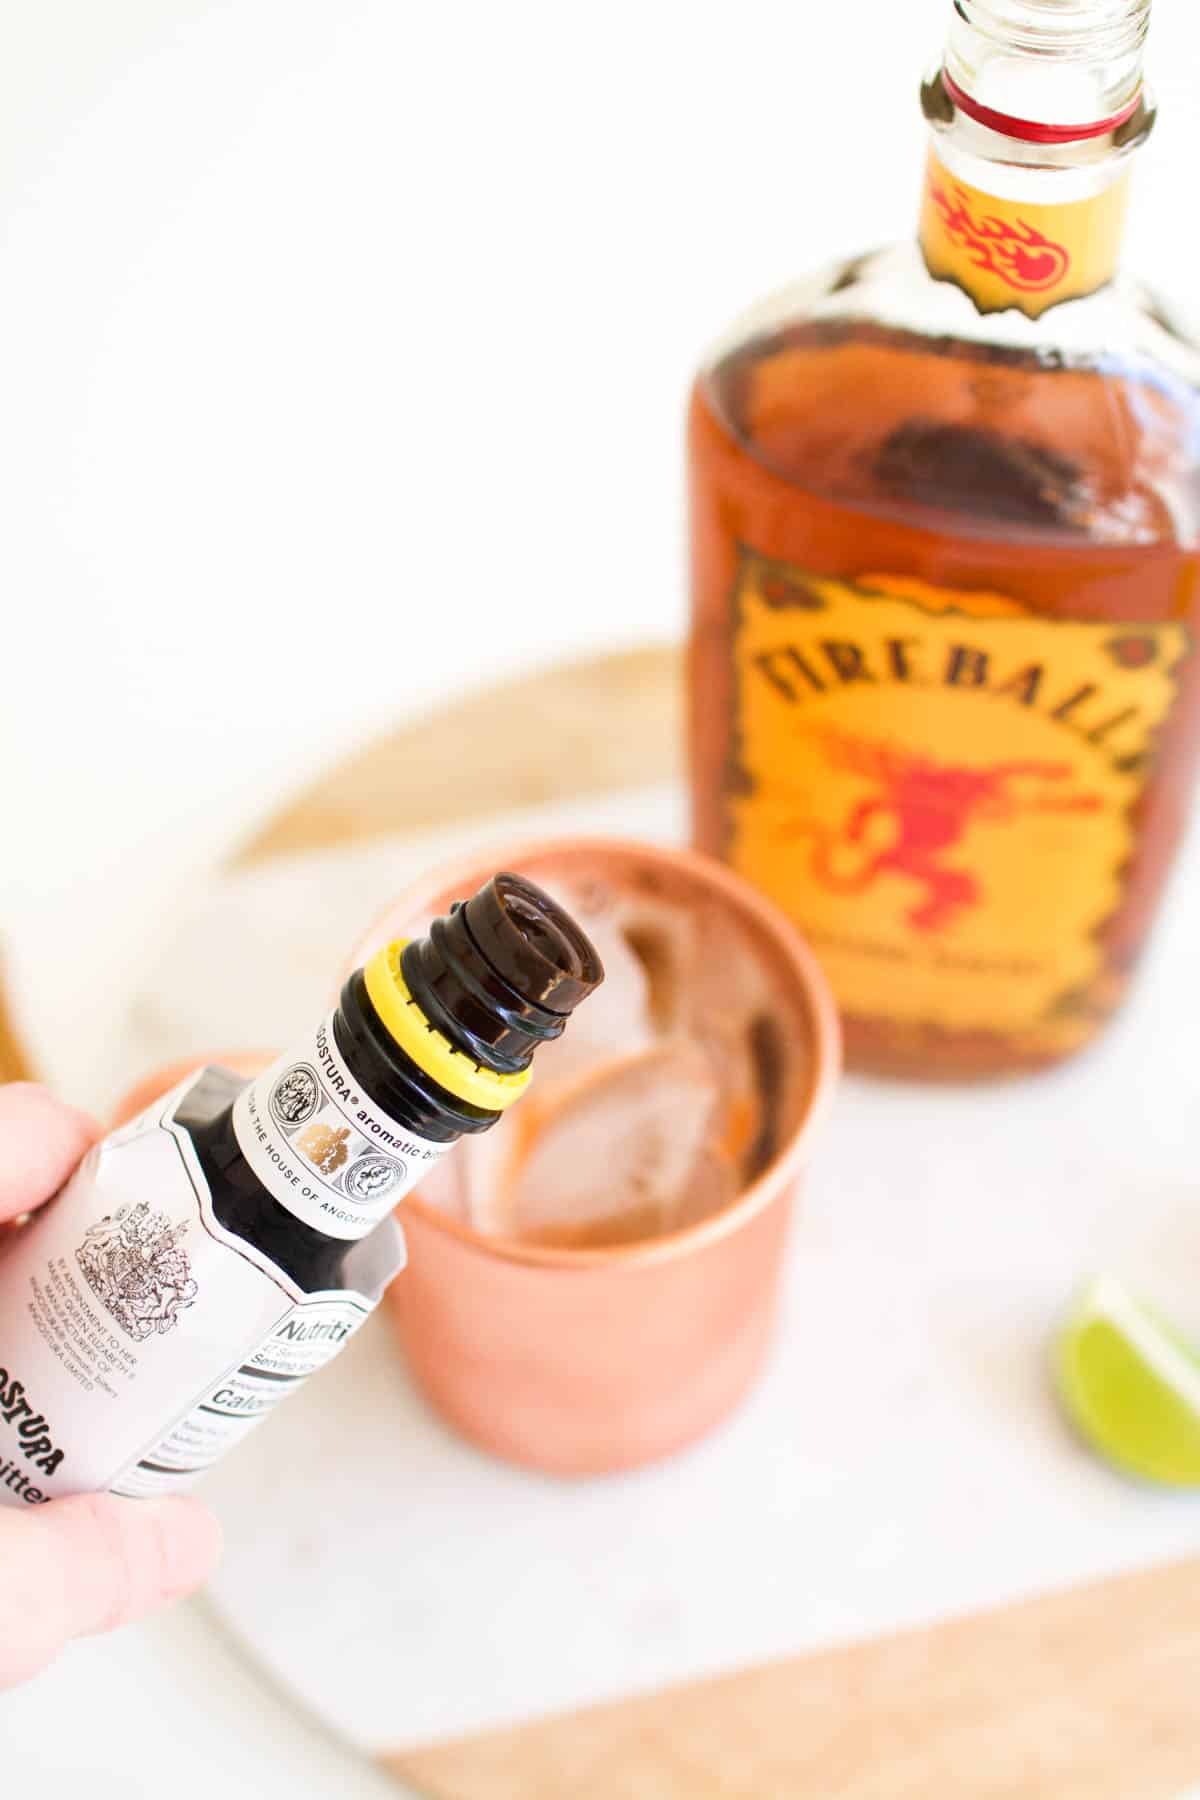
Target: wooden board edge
{"points": [[1085, 1694], [539, 738], [15, 1061]]}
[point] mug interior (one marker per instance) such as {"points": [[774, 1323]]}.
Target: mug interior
{"points": [[795, 1027]]}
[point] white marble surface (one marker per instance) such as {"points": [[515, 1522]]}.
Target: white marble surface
{"points": [[172, 1707], [902, 1460]]}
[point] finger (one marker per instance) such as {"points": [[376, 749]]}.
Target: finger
{"points": [[91, 1563], [41, 1140]]}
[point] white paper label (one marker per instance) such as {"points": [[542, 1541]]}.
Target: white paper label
{"points": [[321, 1147], [139, 1338], [309, 1336]]}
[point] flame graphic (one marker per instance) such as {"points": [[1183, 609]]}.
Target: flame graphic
{"points": [[1022, 257], [926, 807]]}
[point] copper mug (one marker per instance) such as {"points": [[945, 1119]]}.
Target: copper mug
{"points": [[583, 1360]]}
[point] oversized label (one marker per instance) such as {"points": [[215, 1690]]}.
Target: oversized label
{"points": [[139, 1338], [938, 788], [1012, 253], [308, 1336], [322, 1146]]}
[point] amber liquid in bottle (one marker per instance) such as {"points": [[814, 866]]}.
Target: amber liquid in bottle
{"points": [[944, 702]]}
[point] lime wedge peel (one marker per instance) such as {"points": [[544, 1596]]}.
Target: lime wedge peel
{"points": [[1130, 1385]]}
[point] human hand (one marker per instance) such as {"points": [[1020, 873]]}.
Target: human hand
{"points": [[90, 1562]]}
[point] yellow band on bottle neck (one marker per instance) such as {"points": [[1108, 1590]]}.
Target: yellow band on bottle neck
{"points": [[1006, 253], [407, 1025]]}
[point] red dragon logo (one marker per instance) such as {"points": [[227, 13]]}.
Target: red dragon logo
{"points": [[929, 806], [1022, 257]]}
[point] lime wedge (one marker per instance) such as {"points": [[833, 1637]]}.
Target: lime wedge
{"points": [[1130, 1386]]}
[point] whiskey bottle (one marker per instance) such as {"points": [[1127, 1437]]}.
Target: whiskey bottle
{"points": [[945, 504], [206, 1258]]}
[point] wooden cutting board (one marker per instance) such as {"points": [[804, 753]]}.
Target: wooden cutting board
{"points": [[1090, 1692], [1088, 1695]]}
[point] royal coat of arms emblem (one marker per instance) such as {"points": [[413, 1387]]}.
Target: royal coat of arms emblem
{"points": [[133, 1263]]}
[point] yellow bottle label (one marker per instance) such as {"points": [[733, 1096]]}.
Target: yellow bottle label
{"points": [[1009, 253], [937, 786]]}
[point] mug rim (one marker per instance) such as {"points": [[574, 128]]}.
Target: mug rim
{"points": [[814, 992]]}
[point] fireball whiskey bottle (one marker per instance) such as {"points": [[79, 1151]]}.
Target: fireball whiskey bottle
{"points": [[945, 512]]}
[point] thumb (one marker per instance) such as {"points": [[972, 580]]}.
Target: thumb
{"points": [[90, 1563]]}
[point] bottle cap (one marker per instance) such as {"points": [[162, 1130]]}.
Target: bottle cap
{"points": [[492, 979], [532, 945]]}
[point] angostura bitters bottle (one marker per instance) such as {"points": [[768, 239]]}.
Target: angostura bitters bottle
{"points": [[945, 505], [205, 1259]]}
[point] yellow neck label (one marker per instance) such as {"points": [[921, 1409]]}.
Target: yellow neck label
{"points": [[939, 787], [1005, 253], [408, 1027]]}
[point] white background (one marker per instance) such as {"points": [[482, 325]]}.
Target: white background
{"points": [[343, 349]]}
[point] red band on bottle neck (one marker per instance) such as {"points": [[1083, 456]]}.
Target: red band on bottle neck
{"points": [[1032, 131]]}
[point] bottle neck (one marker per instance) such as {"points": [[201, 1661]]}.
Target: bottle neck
{"points": [[1017, 220], [1036, 112], [431, 1040], [1047, 71], [336, 1141]]}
